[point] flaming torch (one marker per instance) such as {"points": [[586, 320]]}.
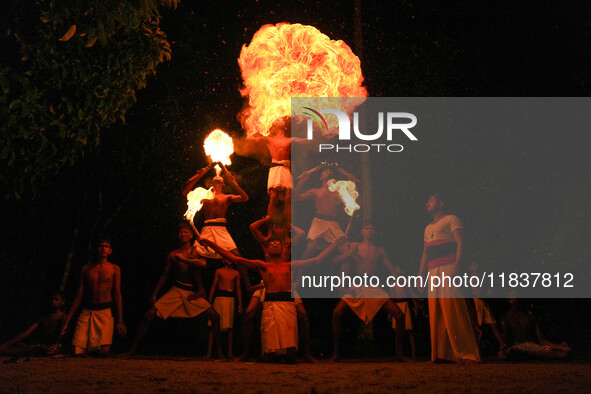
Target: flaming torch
{"points": [[348, 193], [284, 61], [219, 146], [194, 204], [194, 201]]}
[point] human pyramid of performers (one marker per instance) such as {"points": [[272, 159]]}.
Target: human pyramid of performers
{"points": [[265, 64], [284, 324]]}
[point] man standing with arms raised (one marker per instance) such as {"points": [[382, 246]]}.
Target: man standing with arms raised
{"points": [[324, 228], [214, 211], [279, 332]]}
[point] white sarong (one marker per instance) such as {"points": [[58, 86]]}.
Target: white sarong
{"points": [[280, 175], [279, 326], [215, 231]]}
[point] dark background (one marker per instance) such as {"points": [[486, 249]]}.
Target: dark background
{"points": [[532, 199]]}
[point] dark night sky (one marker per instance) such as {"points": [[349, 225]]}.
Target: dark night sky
{"points": [[411, 48]]}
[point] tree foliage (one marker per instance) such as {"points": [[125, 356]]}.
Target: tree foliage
{"points": [[70, 68]]}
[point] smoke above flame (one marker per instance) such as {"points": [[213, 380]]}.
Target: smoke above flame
{"points": [[284, 61], [348, 193]]}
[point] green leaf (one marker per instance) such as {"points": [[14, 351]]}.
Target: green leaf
{"points": [[14, 104]]}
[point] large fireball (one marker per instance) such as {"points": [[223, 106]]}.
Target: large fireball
{"points": [[284, 61]]}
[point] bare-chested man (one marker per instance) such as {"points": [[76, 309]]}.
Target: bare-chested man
{"points": [[523, 333], [279, 183], [324, 228], [366, 258], [186, 298], [214, 212], [296, 237], [47, 330], [282, 232], [224, 290], [279, 320], [100, 290]]}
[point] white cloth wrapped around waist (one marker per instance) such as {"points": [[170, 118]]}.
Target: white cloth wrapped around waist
{"points": [[280, 175], [279, 325], [215, 230]]}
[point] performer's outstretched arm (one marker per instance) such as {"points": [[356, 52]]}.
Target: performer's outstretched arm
{"points": [[21, 336], [343, 258], [242, 196], [256, 232], [349, 176], [250, 264], [195, 178], [322, 256], [194, 260]]}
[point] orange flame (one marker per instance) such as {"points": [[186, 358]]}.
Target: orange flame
{"points": [[284, 61], [219, 146], [348, 193], [194, 199]]}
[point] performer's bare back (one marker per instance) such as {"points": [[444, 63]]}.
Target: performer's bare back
{"points": [[279, 147]]}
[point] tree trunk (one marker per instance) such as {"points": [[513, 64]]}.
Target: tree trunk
{"points": [[72, 249], [366, 206]]}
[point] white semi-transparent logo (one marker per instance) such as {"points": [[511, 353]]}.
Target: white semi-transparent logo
{"points": [[395, 122]]}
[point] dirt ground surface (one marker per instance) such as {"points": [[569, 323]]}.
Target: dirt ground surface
{"points": [[190, 375]]}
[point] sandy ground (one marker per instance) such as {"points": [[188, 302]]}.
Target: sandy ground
{"points": [[186, 375]]}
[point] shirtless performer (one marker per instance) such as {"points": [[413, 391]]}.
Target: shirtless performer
{"points": [[186, 297], [214, 211], [224, 290], [258, 297], [296, 236], [100, 289], [279, 183], [324, 228], [279, 321], [47, 330], [364, 258], [522, 331]]}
